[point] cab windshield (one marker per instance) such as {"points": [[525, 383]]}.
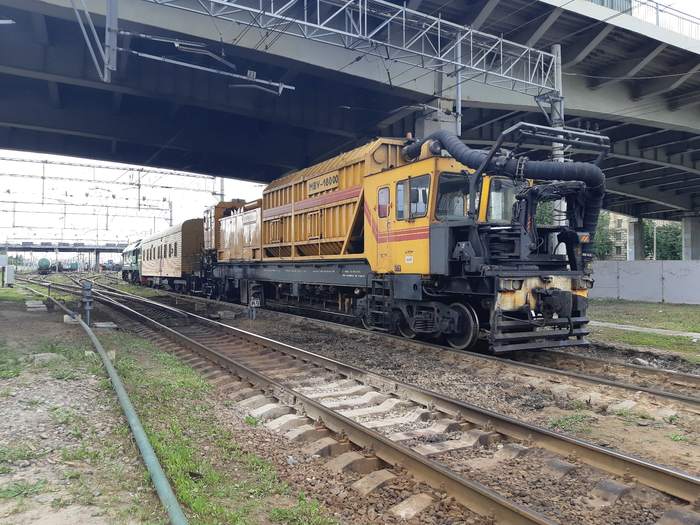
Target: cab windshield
{"points": [[453, 196], [501, 199]]}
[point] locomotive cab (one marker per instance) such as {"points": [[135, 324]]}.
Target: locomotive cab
{"points": [[467, 255]]}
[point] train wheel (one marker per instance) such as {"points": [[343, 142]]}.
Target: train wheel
{"points": [[467, 327], [402, 325]]}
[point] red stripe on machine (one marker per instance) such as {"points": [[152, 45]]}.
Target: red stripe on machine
{"points": [[327, 198]]}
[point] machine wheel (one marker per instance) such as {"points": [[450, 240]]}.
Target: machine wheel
{"points": [[468, 327], [402, 325]]}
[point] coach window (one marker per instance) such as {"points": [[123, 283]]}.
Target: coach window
{"points": [[175, 250], [170, 250], [413, 193], [383, 203]]}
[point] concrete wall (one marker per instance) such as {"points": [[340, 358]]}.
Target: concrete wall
{"points": [[653, 281]]}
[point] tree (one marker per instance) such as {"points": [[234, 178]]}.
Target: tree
{"points": [[602, 242], [669, 243]]}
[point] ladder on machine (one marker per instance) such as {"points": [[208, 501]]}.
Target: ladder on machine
{"points": [[380, 304]]}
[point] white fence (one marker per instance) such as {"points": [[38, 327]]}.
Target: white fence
{"points": [[656, 13], [653, 281]]}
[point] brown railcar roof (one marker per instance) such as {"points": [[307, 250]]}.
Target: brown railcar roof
{"points": [[169, 231]]}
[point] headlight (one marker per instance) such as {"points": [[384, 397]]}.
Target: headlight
{"points": [[510, 285]]}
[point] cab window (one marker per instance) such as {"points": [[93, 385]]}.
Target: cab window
{"points": [[453, 196], [383, 202], [501, 200], [414, 193]]}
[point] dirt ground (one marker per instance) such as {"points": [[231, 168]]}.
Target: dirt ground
{"points": [[65, 456]]}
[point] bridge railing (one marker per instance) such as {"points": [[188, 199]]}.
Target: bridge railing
{"points": [[656, 13], [392, 33]]}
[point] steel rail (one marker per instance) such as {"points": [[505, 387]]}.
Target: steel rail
{"points": [[471, 494], [659, 374], [665, 479], [691, 401]]}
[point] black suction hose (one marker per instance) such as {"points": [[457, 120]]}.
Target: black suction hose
{"points": [[590, 174]]}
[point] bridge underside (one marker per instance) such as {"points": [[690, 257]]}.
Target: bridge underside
{"points": [[163, 115]]}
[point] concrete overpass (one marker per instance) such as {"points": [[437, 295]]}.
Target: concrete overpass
{"points": [[633, 80], [62, 247]]}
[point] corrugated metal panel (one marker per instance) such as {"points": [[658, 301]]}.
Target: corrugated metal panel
{"points": [[340, 161]]}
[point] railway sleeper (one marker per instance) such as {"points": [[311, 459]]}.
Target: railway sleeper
{"points": [[322, 442]]}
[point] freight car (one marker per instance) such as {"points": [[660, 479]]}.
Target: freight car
{"points": [[425, 238], [43, 266]]}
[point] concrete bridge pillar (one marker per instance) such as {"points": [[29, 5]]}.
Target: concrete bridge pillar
{"points": [[635, 240], [691, 238], [432, 120]]}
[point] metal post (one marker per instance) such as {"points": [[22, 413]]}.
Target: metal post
{"points": [[43, 181], [458, 88], [557, 103], [222, 188], [557, 118], [111, 28], [87, 300]]}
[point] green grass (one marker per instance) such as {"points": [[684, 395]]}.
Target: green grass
{"points": [[219, 484], [76, 363], [76, 424], [12, 294], [142, 291], [10, 454], [577, 423], [678, 437], [305, 512], [10, 363], [631, 416], [20, 489], [251, 421], [683, 317], [680, 345]]}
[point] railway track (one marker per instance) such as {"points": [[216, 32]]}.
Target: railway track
{"points": [[436, 438], [664, 384]]}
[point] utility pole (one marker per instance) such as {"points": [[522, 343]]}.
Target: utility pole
{"points": [[458, 89], [557, 120], [557, 104], [43, 181]]}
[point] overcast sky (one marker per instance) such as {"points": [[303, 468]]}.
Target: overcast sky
{"points": [[688, 6], [91, 204]]}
